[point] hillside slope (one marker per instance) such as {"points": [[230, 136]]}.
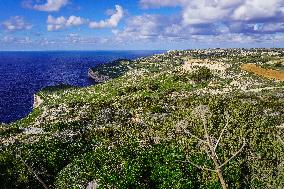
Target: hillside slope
{"points": [[153, 126]]}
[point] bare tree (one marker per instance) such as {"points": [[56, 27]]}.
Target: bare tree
{"points": [[211, 145]]}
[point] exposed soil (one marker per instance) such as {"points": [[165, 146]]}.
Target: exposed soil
{"points": [[268, 73]]}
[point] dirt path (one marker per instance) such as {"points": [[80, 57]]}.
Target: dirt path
{"points": [[261, 89], [268, 73]]}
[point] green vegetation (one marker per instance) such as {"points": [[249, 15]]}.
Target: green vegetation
{"points": [[202, 74], [112, 70], [146, 129], [277, 65]]}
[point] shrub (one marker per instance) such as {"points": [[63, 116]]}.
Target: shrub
{"points": [[278, 65], [203, 74], [131, 166]]}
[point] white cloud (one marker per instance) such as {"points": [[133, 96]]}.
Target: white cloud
{"points": [[60, 23], [16, 23], [160, 3], [75, 21], [164, 29], [51, 5], [203, 12], [213, 21], [209, 11], [141, 27], [73, 39], [237, 39], [112, 22], [257, 9], [16, 40], [238, 18], [155, 27], [77, 39]]}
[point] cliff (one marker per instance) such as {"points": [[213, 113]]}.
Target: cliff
{"points": [[104, 72], [37, 101]]}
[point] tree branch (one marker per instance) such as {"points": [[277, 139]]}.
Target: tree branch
{"points": [[33, 172], [280, 126], [280, 139], [222, 132], [198, 166], [189, 133], [235, 154], [214, 155]]}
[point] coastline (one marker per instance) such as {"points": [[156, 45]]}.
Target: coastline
{"points": [[23, 74], [102, 73]]}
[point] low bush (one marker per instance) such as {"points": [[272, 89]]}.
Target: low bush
{"points": [[203, 74]]}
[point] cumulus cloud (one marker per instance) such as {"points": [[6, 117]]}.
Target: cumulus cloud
{"points": [[60, 23], [16, 23], [111, 22], [49, 6], [142, 27], [258, 9], [208, 11], [154, 27], [220, 17], [163, 29], [203, 12], [238, 21]]}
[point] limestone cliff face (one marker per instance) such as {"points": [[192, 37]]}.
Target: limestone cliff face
{"points": [[97, 77], [37, 101]]}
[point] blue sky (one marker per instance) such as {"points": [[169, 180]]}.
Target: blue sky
{"points": [[140, 24]]}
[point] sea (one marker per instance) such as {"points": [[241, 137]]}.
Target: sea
{"points": [[22, 74]]}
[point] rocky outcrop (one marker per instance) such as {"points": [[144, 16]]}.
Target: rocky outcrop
{"points": [[37, 101], [92, 185], [99, 78]]}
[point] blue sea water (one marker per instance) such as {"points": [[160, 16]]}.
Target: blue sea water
{"points": [[24, 73]]}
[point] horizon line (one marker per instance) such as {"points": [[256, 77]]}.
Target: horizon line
{"points": [[139, 49], [81, 50]]}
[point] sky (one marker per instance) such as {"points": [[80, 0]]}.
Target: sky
{"points": [[31, 25]]}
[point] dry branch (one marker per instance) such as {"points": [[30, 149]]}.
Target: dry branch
{"points": [[235, 154], [223, 130], [203, 112], [34, 173]]}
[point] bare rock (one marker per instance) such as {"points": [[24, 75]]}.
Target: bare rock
{"points": [[97, 77], [92, 185], [37, 101]]}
